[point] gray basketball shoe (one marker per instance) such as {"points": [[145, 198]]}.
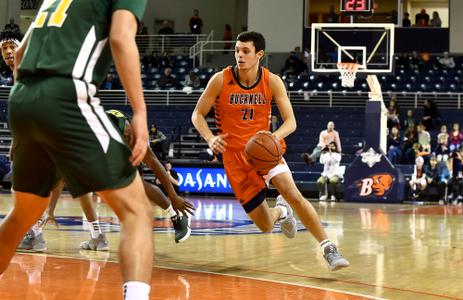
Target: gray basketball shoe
{"points": [[287, 224]]}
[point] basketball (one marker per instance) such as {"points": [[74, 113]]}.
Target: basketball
{"points": [[263, 151]]}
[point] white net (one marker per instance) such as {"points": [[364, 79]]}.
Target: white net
{"points": [[348, 73]]}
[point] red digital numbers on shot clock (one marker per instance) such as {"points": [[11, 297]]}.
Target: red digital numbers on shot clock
{"points": [[355, 6]]}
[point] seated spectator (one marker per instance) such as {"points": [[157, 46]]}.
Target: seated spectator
{"points": [[456, 182], [330, 158], [435, 21], [326, 136], [167, 80], [192, 80], [456, 138], [442, 149], [431, 116], [410, 139], [158, 142], [165, 29], [393, 113], [418, 181], [446, 61], [164, 61], [110, 83], [443, 133], [424, 138], [435, 184], [406, 20], [394, 146], [409, 119], [422, 18], [293, 64]]}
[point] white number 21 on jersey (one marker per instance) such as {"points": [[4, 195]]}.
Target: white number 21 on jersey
{"points": [[57, 17]]}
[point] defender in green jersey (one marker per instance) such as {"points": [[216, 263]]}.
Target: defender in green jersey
{"points": [[55, 116]]}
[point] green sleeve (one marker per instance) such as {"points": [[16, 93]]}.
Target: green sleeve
{"points": [[137, 7]]}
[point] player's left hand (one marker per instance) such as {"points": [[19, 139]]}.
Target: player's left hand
{"points": [[181, 205], [140, 138]]}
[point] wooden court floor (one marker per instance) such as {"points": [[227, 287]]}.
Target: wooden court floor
{"points": [[396, 252]]}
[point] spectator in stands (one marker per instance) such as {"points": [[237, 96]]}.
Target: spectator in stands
{"points": [[404, 61], [164, 61], [444, 177], [330, 177], [292, 65], [12, 26], [456, 182], [167, 80], [418, 181], [435, 183], [108, 83], [326, 136], [151, 61], [424, 138], [456, 137], [431, 116], [406, 20], [435, 21], [409, 119], [165, 29], [442, 149], [158, 142], [192, 80], [332, 16], [422, 18], [227, 36], [195, 23], [274, 123], [443, 133], [393, 113], [446, 61], [410, 138], [394, 146]]}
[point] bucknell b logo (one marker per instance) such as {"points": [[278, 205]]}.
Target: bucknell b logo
{"points": [[378, 184]]}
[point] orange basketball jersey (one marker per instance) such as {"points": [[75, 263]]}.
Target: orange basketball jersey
{"points": [[243, 111]]}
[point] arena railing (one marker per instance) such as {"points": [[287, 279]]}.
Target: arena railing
{"points": [[172, 43], [302, 98]]}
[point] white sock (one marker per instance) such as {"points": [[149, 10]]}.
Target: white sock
{"points": [[325, 243], [37, 229], [284, 212], [170, 211], [95, 229], [136, 290]]}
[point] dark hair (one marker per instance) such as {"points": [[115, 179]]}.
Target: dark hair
{"points": [[8, 34], [252, 36]]}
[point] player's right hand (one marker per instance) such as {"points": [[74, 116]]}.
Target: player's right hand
{"points": [[217, 143], [181, 205], [139, 138]]}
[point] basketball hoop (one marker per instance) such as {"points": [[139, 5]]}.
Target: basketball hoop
{"points": [[348, 73]]}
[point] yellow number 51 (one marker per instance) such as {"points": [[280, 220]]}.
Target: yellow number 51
{"points": [[57, 17]]}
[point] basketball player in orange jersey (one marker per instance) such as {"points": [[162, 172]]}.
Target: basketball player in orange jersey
{"points": [[241, 96]]}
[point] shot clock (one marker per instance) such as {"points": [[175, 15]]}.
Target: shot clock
{"points": [[354, 7]]}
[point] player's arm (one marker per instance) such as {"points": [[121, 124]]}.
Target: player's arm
{"points": [[284, 106], [198, 118], [178, 203], [124, 26], [19, 52]]}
